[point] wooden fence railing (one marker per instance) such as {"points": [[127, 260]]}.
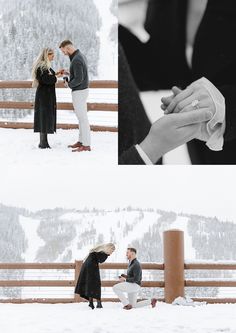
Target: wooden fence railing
{"points": [[66, 283], [174, 268], [111, 107]]}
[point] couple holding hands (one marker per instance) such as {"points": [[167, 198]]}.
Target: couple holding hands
{"points": [[45, 78], [89, 282], [190, 51]]}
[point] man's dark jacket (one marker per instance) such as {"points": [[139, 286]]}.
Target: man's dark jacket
{"points": [[134, 124], [134, 272], [161, 62], [78, 72]]}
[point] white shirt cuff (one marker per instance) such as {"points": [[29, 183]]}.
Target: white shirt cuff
{"points": [[143, 155], [213, 131]]}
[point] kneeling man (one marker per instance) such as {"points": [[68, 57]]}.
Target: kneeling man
{"points": [[131, 284]]}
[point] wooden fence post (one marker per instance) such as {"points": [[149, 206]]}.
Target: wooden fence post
{"points": [[173, 264], [78, 265]]}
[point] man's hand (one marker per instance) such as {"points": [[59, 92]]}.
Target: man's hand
{"points": [[122, 279], [66, 84], [124, 275], [172, 131], [167, 100]]}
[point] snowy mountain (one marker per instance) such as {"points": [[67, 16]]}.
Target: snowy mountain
{"points": [[27, 26], [73, 232], [64, 235]]}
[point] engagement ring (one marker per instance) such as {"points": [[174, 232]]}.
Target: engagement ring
{"points": [[195, 104]]}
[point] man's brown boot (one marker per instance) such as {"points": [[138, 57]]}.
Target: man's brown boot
{"points": [[82, 148], [75, 145], [153, 302]]}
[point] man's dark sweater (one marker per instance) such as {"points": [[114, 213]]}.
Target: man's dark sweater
{"points": [[78, 72], [134, 272], [134, 124]]}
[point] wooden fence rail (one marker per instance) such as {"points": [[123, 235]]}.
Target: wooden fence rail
{"points": [[101, 84], [67, 283], [174, 269], [105, 107]]}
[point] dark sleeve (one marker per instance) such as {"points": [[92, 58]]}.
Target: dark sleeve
{"points": [[45, 78], [141, 60], [78, 74], [229, 93], [134, 124], [136, 275], [130, 157], [101, 256]]}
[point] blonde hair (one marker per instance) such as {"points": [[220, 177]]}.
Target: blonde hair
{"points": [[41, 62], [106, 248]]}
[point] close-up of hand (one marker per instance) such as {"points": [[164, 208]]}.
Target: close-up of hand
{"points": [[59, 74], [167, 100], [196, 96], [172, 131], [122, 279]]}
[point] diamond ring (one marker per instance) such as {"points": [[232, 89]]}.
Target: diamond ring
{"points": [[195, 104]]}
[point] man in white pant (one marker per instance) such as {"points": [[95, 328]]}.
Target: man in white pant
{"points": [[79, 84], [130, 284]]}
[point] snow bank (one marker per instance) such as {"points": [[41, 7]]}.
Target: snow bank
{"points": [[74, 318]]}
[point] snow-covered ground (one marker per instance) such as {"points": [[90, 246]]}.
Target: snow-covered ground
{"points": [[74, 318], [19, 148]]}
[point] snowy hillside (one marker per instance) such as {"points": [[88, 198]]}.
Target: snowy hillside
{"points": [[90, 24], [123, 226], [66, 235]]}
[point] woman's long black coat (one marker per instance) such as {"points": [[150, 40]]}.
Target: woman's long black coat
{"points": [[89, 282], [45, 102]]}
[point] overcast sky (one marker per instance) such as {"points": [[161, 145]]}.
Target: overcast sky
{"points": [[194, 189]]}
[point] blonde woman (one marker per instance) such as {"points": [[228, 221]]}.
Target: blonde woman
{"points": [[89, 282], [44, 78]]}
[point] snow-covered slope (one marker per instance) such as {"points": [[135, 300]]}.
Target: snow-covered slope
{"points": [[80, 230]]}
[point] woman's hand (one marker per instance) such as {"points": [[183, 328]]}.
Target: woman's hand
{"points": [[60, 72], [196, 96], [172, 131], [66, 72]]}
